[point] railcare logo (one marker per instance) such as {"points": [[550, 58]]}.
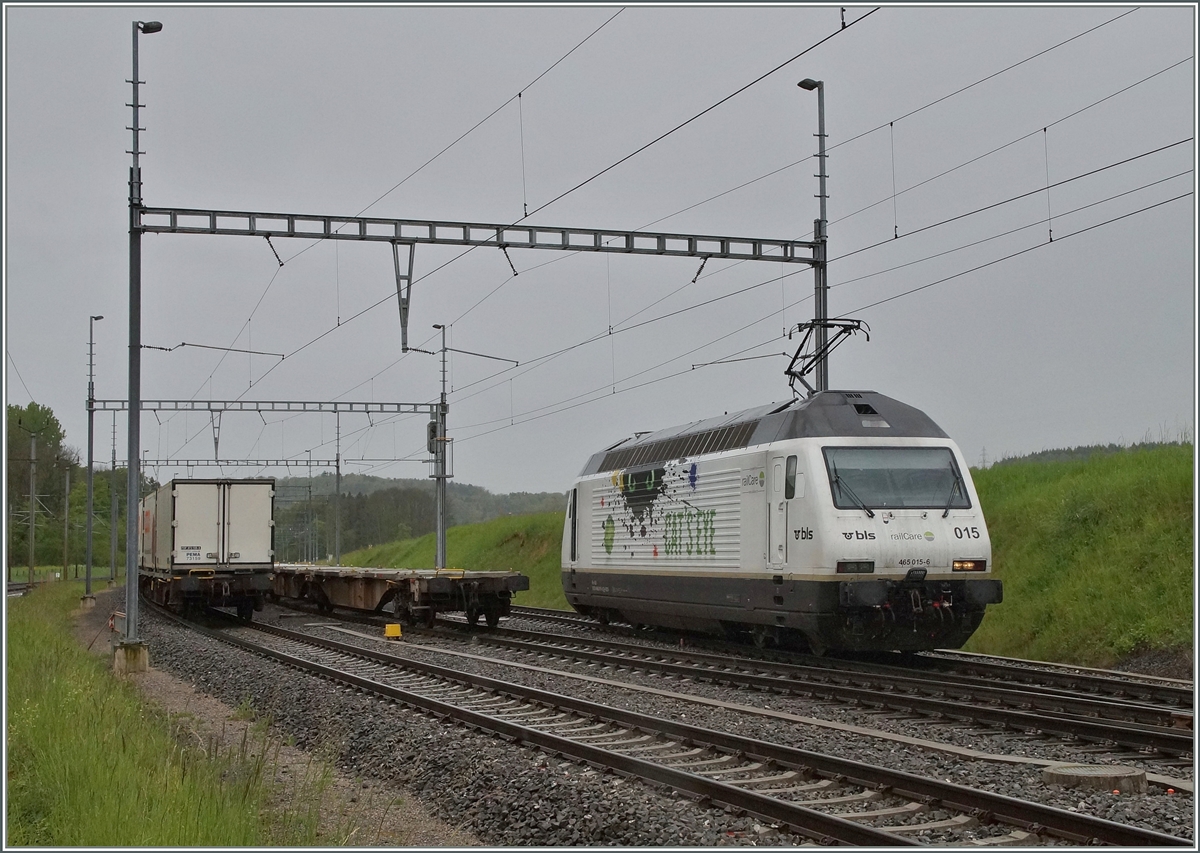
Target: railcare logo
{"points": [[758, 480], [908, 537]]}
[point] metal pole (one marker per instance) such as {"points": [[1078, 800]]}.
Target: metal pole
{"points": [[32, 498], [66, 520], [134, 452], [337, 496], [113, 489], [91, 411], [820, 237], [439, 462]]}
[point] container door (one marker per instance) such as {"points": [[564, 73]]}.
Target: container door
{"points": [[777, 511], [248, 517], [197, 524]]}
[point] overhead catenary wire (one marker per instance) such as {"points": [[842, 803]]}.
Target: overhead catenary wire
{"points": [[388, 299], [702, 113], [541, 360], [537, 362], [575, 402], [663, 136], [18, 372]]}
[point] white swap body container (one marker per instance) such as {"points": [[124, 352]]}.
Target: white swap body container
{"points": [[209, 523]]}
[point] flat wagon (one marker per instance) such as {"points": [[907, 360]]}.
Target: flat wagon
{"points": [[412, 595]]}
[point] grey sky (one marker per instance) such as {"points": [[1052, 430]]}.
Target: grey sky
{"points": [[1087, 339]]}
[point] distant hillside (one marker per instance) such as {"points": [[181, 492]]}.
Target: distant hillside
{"points": [[1095, 551], [1086, 452], [467, 504], [380, 509]]}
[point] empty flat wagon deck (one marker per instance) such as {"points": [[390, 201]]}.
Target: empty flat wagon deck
{"points": [[415, 596]]}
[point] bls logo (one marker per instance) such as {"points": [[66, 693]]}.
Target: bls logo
{"points": [[859, 534], [803, 533]]}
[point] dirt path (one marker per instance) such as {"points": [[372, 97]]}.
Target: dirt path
{"points": [[355, 812]]}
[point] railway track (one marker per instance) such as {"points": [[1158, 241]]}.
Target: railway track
{"points": [[1134, 726], [822, 797], [1122, 727], [1162, 692]]}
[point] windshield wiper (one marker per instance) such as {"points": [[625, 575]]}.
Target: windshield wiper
{"points": [[844, 485], [950, 500]]}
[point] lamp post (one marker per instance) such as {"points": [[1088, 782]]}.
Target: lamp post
{"points": [[820, 236], [91, 407], [133, 481]]}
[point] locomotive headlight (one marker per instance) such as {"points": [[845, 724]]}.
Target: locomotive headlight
{"points": [[861, 567], [970, 565]]}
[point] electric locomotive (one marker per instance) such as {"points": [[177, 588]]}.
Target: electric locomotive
{"points": [[847, 519]]}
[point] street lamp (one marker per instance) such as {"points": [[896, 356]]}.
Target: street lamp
{"points": [[821, 237], [91, 407], [133, 481]]}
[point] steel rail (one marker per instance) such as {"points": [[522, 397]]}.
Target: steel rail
{"points": [[1170, 694], [1177, 694], [786, 677], [986, 805], [804, 821], [1063, 724]]}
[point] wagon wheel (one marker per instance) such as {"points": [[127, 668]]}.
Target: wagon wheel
{"points": [[245, 610], [430, 616], [492, 615], [473, 615]]}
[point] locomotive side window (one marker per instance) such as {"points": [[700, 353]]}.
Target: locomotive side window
{"points": [[789, 488], [895, 477]]}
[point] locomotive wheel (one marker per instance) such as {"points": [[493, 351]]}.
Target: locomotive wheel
{"points": [[763, 637], [816, 646]]}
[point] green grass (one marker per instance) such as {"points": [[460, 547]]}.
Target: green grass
{"points": [[89, 764], [529, 544], [1096, 555]]}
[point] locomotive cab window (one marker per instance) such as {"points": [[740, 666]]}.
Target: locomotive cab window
{"points": [[895, 478], [789, 487]]}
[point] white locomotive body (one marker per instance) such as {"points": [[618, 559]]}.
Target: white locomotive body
{"points": [[848, 518]]}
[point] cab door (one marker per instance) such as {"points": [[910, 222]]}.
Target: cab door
{"points": [[777, 513]]}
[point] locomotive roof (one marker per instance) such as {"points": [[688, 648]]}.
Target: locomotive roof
{"points": [[826, 413]]}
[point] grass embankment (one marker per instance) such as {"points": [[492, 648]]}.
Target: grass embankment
{"points": [[1096, 555], [529, 544], [90, 765]]}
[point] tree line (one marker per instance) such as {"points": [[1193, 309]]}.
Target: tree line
{"points": [[373, 510], [36, 448]]}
